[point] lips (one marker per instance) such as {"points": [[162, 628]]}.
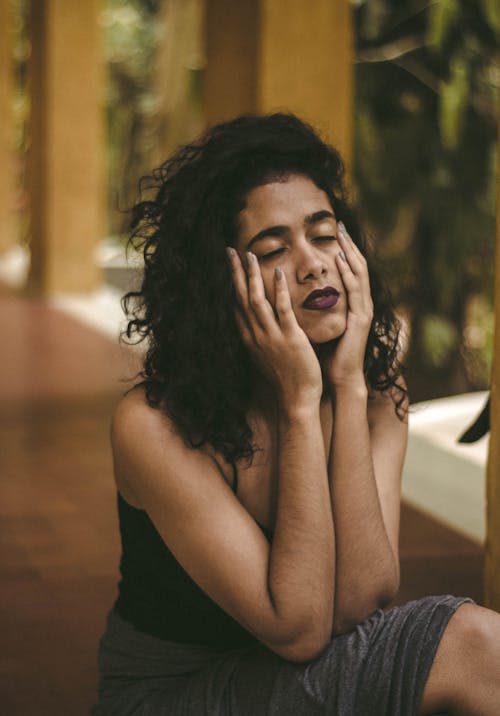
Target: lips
{"points": [[321, 296]]}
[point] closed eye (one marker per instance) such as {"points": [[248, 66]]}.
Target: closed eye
{"points": [[270, 255], [279, 251]]}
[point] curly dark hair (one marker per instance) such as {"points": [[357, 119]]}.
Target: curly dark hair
{"points": [[197, 369]]}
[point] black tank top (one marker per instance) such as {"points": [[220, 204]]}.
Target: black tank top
{"points": [[158, 596]]}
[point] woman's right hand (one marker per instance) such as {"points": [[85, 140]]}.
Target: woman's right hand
{"points": [[277, 342]]}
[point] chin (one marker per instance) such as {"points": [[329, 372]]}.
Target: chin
{"points": [[325, 331], [320, 337]]}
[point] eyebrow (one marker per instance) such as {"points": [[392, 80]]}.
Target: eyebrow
{"points": [[309, 220]]}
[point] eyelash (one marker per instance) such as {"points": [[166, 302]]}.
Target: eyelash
{"points": [[278, 251]]}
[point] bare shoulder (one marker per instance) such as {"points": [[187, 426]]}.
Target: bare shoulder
{"points": [[135, 427], [133, 412], [144, 442], [208, 531]]}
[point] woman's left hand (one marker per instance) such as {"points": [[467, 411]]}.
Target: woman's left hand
{"points": [[344, 365]]}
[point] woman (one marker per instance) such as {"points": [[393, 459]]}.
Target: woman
{"points": [[258, 463]]}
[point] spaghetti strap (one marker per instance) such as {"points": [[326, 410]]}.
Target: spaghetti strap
{"points": [[235, 478]]}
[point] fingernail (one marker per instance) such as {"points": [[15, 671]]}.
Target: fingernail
{"points": [[342, 229], [250, 257], [279, 273], [342, 255], [230, 253]]}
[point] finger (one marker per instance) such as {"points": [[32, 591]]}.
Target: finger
{"points": [[358, 298], [355, 259], [246, 281], [346, 235], [283, 303], [351, 282], [257, 300], [354, 256], [239, 278]]}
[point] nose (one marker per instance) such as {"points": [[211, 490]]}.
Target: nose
{"points": [[310, 263]]}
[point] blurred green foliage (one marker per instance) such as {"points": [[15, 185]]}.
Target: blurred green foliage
{"points": [[427, 79], [154, 60], [427, 82], [132, 35]]}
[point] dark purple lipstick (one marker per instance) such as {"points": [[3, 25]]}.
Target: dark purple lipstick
{"points": [[322, 298]]}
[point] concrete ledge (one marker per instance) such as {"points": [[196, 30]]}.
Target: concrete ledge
{"points": [[443, 477]]}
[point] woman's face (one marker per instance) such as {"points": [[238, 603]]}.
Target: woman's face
{"points": [[290, 224]]}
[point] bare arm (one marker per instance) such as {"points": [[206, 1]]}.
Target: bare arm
{"points": [[366, 460], [283, 593], [365, 466], [302, 562]]}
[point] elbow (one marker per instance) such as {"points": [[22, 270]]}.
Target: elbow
{"points": [[387, 587], [302, 650], [306, 643], [356, 611], [387, 590], [391, 585], [347, 619]]}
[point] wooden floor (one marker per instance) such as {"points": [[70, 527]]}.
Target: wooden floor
{"points": [[58, 530]]}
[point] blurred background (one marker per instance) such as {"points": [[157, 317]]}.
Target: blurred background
{"points": [[421, 146], [93, 96]]}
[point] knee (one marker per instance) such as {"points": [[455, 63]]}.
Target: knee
{"points": [[475, 629], [467, 647], [465, 661]]}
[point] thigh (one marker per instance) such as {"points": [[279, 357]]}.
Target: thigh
{"points": [[465, 674], [381, 667]]}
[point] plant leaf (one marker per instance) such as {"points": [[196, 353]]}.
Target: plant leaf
{"points": [[442, 16], [453, 102]]}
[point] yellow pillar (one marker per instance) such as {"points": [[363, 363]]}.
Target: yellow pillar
{"points": [[65, 167], [270, 55], [178, 64], [231, 46], [7, 222], [492, 557]]}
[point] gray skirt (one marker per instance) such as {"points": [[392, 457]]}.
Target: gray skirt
{"points": [[380, 668]]}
